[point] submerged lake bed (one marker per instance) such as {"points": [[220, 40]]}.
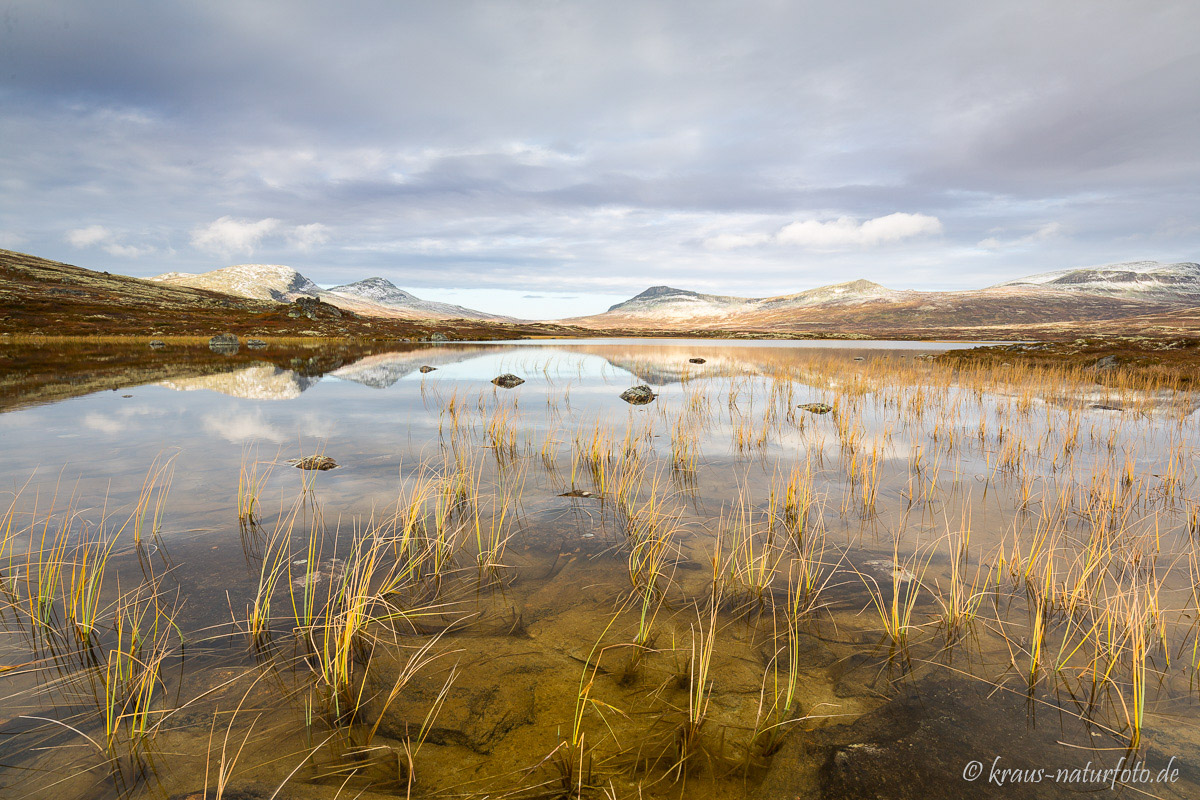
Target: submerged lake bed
{"points": [[834, 569]]}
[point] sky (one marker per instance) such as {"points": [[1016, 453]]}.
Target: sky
{"points": [[545, 159]]}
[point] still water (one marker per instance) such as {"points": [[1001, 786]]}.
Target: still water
{"points": [[545, 591]]}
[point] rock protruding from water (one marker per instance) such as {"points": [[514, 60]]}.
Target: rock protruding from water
{"points": [[314, 462], [425, 368], [696, 360], [816, 408], [638, 395], [226, 343], [157, 344], [256, 344], [507, 380]]}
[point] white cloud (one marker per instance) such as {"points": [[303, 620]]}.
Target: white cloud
{"points": [[838, 234], [86, 237], [10, 240], [848, 232], [306, 237], [106, 240], [227, 235], [732, 241], [1048, 231]]}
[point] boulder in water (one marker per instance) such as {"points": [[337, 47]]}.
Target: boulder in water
{"points": [[426, 368], [313, 462], [256, 344], [638, 395], [507, 380], [226, 343], [816, 408], [696, 360]]}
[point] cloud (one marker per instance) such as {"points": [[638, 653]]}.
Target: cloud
{"points": [[226, 236], [306, 237], [86, 237], [848, 232], [11, 239], [1050, 230], [102, 237], [838, 234], [732, 241]]}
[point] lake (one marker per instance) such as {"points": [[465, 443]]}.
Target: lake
{"points": [[837, 569]]}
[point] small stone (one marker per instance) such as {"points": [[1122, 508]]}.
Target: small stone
{"points": [[157, 344], [313, 462], [225, 343], [426, 368], [696, 360], [859, 358], [816, 408], [638, 395], [507, 380], [256, 344]]}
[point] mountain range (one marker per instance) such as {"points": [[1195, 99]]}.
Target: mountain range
{"points": [[1086, 294], [372, 297], [1144, 297]]}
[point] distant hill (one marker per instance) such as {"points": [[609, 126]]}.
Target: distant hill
{"points": [[1136, 280], [373, 297], [1073, 296], [384, 293]]}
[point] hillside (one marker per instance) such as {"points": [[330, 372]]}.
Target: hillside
{"points": [[49, 298]]}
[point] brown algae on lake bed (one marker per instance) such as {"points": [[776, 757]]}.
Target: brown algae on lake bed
{"points": [[547, 592]]}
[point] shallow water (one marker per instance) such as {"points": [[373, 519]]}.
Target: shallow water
{"points": [[589, 598]]}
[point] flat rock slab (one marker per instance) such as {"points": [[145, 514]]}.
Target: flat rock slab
{"points": [[937, 732], [507, 380]]}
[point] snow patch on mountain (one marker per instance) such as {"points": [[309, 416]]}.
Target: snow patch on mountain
{"points": [[1134, 279], [257, 281], [384, 293]]}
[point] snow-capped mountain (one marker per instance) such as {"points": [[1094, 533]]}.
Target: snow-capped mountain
{"points": [[1133, 279], [1107, 292], [258, 281], [383, 292], [374, 297]]}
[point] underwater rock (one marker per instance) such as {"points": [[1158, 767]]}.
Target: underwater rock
{"points": [[817, 408], [157, 344], [426, 368], [582, 493], [696, 360], [929, 740], [638, 395], [225, 343], [507, 380], [313, 462], [256, 344]]}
